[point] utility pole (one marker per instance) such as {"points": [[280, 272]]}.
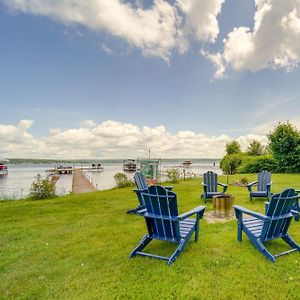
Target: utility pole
{"points": [[149, 153]]}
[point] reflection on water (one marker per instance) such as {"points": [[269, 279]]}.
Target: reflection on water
{"points": [[18, 181]]}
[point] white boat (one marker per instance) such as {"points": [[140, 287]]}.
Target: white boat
{"points": [[129, 165], [187, 163]]}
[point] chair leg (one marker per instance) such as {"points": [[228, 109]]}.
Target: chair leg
{"points": [[262, 249], [239, 230], [197, 229], [142, 244], [176, 253], [291, 242]]}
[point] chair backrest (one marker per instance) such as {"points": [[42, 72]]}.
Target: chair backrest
{"points": [[162, 210], [279, 211], [263, 178], [140, 181], [211, 180]]}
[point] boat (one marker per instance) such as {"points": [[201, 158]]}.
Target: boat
{"points": [[187, 163], [3, 168], [129, 165], [96, 167], [60, 169]]}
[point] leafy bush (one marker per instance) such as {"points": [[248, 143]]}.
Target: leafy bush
{"points": [[285, 146], [122, 180], [41, 189], [173, 175], [244, 180], [230, 163], [255, 164]]}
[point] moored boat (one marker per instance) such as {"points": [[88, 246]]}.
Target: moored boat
{"points": [[187, 163], [129, 165], [3, 168]]}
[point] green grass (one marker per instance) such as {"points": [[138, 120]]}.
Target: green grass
{"points": [[77, 247]]}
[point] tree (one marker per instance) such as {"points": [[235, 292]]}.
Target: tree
{"points": [[230, 163], [255, 148], [233, 148], [285, 146]]}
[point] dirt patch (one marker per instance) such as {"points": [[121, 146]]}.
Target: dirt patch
{"points": [[238, 184], [211, 218]]}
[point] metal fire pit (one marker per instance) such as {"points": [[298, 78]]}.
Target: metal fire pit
{"points": [[222, 206]]}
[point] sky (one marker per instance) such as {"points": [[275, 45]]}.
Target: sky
{"points": [[114, 78]]}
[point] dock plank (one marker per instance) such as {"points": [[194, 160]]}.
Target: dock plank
{"points": [[80, 183]]}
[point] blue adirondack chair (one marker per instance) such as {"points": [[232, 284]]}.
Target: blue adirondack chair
{"points": [[263, 185], [164, 223], [142, 186], [297, 207], [274, 224], [210, 184]]}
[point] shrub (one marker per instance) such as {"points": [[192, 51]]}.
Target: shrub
{"points": [[230, 163], [244, 180], [122, 180], [41, 189], [256, 164], [173, 175]]}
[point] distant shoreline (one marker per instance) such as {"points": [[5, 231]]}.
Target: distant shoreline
{"points": [[90, 161]]}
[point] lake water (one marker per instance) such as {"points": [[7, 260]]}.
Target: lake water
{"points": [[20, 176]]}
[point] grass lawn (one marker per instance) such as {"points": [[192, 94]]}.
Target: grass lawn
{"points": [[77, 247]]}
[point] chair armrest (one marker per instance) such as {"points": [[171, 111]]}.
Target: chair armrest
{"points": [[141, 211], [239, 209], [169, 188], [269, 187], [204, 184], [250, 185], [225, 186], [295, 212], [267, 206], [198, 210]]}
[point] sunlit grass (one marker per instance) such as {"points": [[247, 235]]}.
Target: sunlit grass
{"points": [[77, 247]]}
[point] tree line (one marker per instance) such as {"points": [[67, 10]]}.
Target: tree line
{"points": [[281, 155]]}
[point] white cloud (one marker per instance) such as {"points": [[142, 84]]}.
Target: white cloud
{"points": [[112, 139], [156, 31], [244, 141], [272, 43], [200, 20], [88, 123], [106, 49]]}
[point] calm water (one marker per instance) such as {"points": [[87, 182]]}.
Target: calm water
{"points": [[18, 181]]}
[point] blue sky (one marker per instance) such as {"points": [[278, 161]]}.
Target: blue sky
{"points": [[59, 73]]}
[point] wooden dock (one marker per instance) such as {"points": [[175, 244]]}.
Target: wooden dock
{"points": [[70, 170], [80, 183]]}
